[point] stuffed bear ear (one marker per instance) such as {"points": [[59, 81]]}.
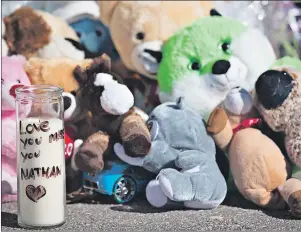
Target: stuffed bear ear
{"points": [[100, 64], [214, 12], [106, 10]]}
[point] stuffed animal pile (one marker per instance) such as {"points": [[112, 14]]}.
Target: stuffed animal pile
{"points": [[201, 101]]}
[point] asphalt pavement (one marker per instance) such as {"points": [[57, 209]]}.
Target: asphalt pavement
{"points": [[103, 215]]}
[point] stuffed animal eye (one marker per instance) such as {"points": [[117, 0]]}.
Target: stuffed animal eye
{"points": [[98, 33], [195, 66], [19, 81], [2, 80], [226, 47], [140, 36], [153, 128], [78, 34]]}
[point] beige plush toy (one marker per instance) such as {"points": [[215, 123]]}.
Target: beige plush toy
{"points": [[57, 72], [259, 169], [32, 32], [139, 28]]}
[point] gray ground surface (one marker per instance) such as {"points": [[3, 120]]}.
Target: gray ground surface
{"points": [[234, 214]]}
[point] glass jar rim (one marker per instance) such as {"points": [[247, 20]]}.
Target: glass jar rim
{"points": [[38, 91]]}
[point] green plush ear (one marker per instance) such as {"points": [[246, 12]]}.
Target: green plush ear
{"points": [[288, 61]]}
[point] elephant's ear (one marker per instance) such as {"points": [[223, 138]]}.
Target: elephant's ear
{"points": [[214, 12], [119, 151], [180, 102]]}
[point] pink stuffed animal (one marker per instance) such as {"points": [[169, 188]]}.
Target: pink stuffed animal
{"points": [[13, 76]]}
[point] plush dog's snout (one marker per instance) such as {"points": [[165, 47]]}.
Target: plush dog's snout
{"points": [[273, 87], [67, 102], [156, 54], [221, 67]]}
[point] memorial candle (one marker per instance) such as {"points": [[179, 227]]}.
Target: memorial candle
{"points": [[41, 157]]}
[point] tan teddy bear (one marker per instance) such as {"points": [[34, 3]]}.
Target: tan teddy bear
{"points": [[260, 171], [258, 164], [58, 72], [139, 28]]}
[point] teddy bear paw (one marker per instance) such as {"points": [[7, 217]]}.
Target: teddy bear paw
{"points": [[294, 203], [137, 145], [217, 121], [89, 159]]}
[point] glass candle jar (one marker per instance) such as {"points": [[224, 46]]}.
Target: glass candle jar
{"points": [[40, 156]]}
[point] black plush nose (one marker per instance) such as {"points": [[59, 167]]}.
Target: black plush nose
{"points": [[273, 87], [156, 54], [67, 102], [221, 67]]}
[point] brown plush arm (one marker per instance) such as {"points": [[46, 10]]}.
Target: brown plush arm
{"points": [[135, 135], [219, 127], [89, 157]]}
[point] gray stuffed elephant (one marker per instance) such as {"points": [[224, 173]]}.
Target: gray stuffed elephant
{"points": [[183, 156]]}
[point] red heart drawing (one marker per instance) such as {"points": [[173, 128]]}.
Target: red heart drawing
{"points": [[35, 193]]}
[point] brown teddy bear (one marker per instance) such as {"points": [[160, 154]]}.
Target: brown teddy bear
{"points": [[278, 99], [32, 32], [113, 117], [259, 169], [138, 30]]}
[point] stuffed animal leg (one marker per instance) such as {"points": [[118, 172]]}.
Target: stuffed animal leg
{"points": [[135, 135], [89, 157], [199, 184], [291, 193], [257, 164]]}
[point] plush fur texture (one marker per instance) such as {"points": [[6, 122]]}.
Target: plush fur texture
{"points": [[95, 36], [13, 76], [58, 48], [127, 127], [58, 26], [260, 170], [76, 116], [21, 36], [57, 72], [239, 106], [205, 70], [183, 157], [28, 31], [257, 56], [285, 117], [156, 20]]}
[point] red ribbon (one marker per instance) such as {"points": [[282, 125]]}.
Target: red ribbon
{"points": [[250, 122]]}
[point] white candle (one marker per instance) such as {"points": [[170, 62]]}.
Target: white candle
{"points": [[41, 172]]}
